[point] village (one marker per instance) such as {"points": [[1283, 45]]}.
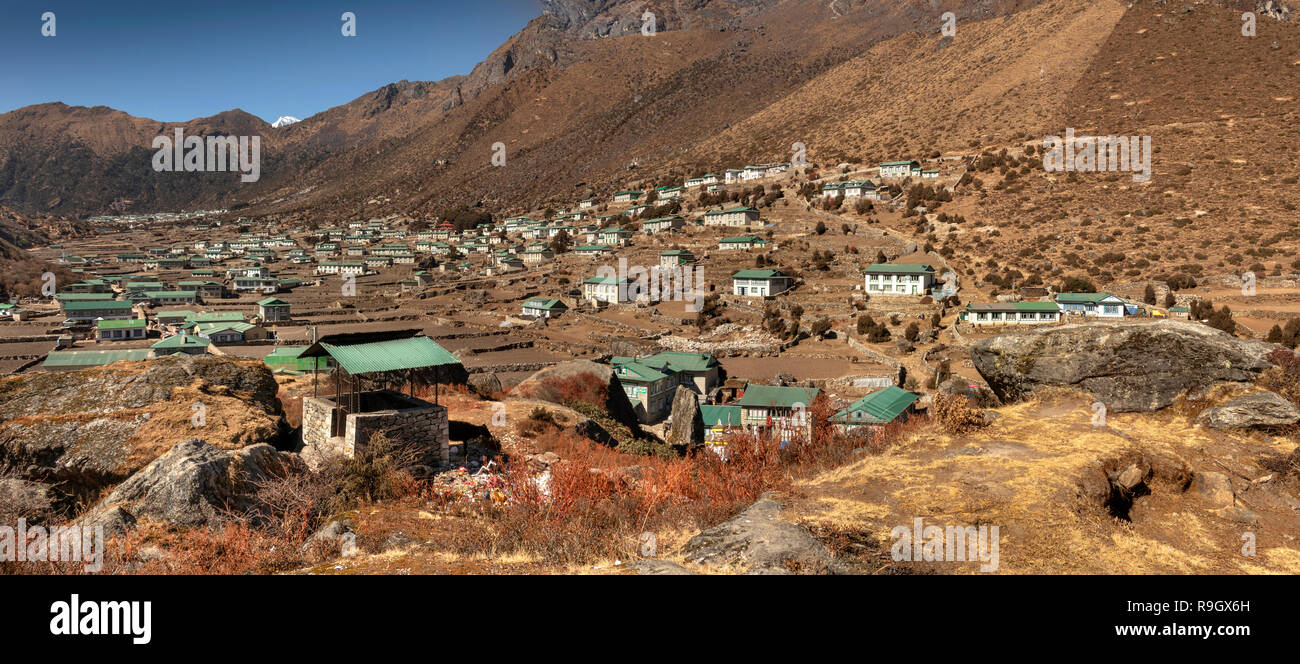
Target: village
{"points": [[776, 284]]}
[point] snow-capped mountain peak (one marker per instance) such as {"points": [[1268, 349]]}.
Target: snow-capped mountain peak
{"points": [[284, 120]]}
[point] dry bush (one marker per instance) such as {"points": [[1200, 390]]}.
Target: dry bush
{"points": [[956, 414]]}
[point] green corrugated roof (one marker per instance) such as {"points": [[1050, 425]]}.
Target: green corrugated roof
{"points": [[720, 416], [759, 274], [219, 317], [636, 372], [83, 297], [878, 407], [95, 305], [747, 239], [1082, 297], [392, 355], [678, 361], [272, 301], [775, 395], [93, 358], [128, 324], [182, 341], [544, 303], [898, 268]]}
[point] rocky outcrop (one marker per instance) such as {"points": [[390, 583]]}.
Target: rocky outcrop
{"points": [[687, 424], [20, 499], [485, 384], [194, 484], [758, 542], [1257, 410], [569, 383], [86, 430], [1128, 366]]}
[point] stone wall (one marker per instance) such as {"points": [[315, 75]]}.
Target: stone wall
{"points": [[422, 423]]}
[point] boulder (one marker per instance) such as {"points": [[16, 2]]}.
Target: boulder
{"points": [[687, 424], [84, 431], [485, 384], [757, 541], [1260, 410], [32, 501], [194, 483], [1127, 365], [1214, 488]]}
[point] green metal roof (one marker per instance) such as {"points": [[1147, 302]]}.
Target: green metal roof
{"points": [[219, 317], [720, 416], [636, 372], [93, 358], [96, 305], [898, 268], [272, 301], [83, 297], [182, 341], [878, 407], [128, 324], [391, 355], [730, 211], [745, 239], [1082, 297], [677, 361], [544, 303], [759, 274], [774, 395]]}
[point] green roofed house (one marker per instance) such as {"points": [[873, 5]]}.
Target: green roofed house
{"points": [[759, 283], [1101, 305], [230, 332], [120, 330], [370, 370], [1179, 312], [78, 312], [649, 390], [72, 360], [157, 298], [592, 250], [743, 242], [699, 372], [898, 279], [173, 316], [273, 310], [1012, 313], [675, 258], [900, 169], [737, 216], [180, 343], [878, 408], [544, 307], [720, 424], [781, 412], [220, 317]]}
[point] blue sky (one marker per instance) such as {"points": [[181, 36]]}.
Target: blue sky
{"points": [[175, 61]]}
